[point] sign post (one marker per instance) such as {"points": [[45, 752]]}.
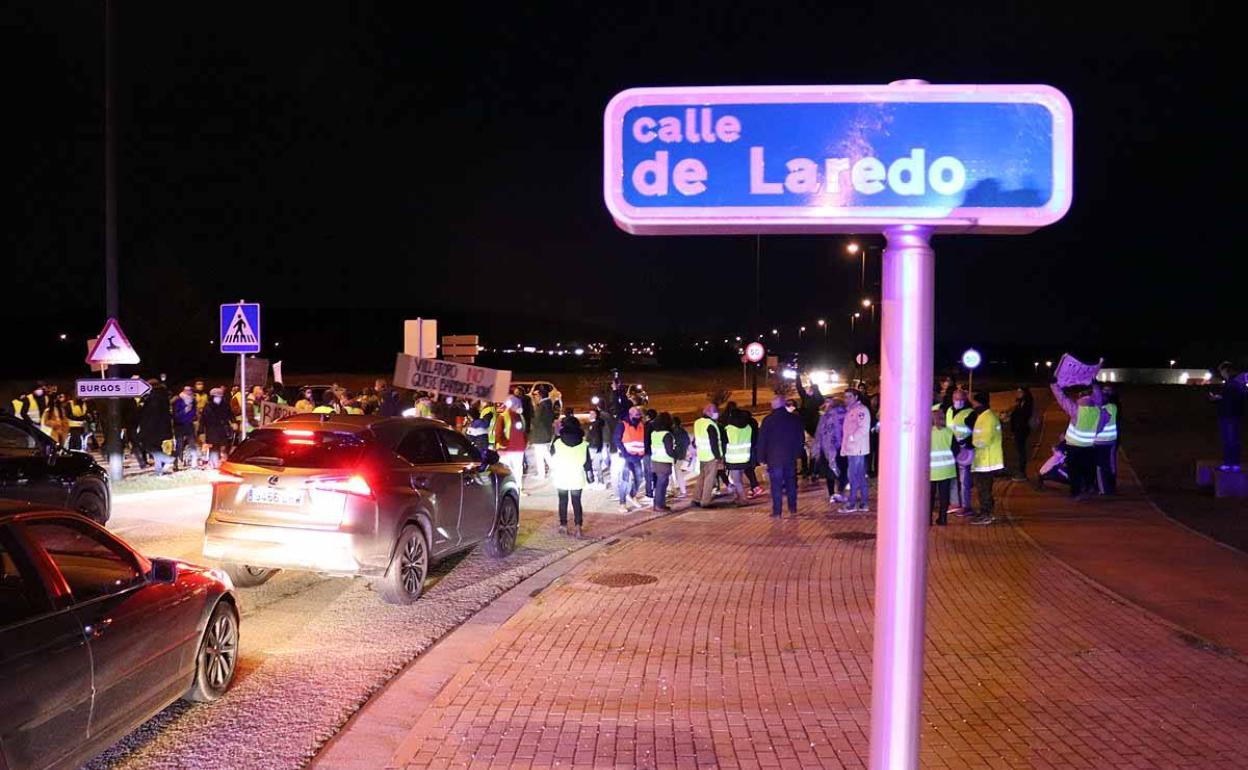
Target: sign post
{"points": [[971, 360], [240, 333], [111, 348], [754, 352], [907, 160]]}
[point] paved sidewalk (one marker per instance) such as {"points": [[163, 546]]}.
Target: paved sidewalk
{"points": [[722, 638], [1128, 545]]}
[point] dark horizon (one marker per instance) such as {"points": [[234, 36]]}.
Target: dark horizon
{"points": [[375, 166]]}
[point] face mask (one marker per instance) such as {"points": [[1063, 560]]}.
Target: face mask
{"points": [[216, 399], [38, 391], [959, 404], [188, 397], [791, 409], [714, 415]]}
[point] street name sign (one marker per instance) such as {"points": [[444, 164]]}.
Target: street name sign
{"points": [[449, 378], [240, 327], [111, 347], [112, 388], [803, 159]]}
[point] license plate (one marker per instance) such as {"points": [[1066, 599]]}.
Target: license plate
{"points": [[275, 496]]}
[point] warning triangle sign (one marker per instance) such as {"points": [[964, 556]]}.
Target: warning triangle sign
{"points": [[240, 331], [112, 347]]}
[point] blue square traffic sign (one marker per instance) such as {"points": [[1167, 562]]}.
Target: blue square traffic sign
{"points": [[240, 327]]}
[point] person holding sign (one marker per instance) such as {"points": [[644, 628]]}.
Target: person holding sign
{"points": [[1086, 420]]}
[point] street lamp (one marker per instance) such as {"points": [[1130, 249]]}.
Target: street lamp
{"points": [[800, 329], [868, 303], [854, 248], [775, 332], [824, 325], [1172, 361]]}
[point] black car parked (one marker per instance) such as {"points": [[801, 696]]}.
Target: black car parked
{"points": [[95, 639], [34, 469]]}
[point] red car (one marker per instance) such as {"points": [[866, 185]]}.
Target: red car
{"points": [[95, 639]]}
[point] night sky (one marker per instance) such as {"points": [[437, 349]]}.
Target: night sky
{"points": [[350, 164]]}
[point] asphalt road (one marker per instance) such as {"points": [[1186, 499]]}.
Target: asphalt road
{"points": [[313, 648]]}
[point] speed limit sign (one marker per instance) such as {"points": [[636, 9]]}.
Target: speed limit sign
{"points": [[754, 352], [862, 359]]}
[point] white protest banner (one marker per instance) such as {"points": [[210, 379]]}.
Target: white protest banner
{"points": [[271, 411], [277, 373], [451, 379], [1072, 371]]}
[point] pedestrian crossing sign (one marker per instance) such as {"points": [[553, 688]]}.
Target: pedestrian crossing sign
{"points": [[240, 327]]}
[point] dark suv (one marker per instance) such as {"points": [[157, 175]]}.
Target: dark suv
{"points": [[358, 495], [34, 469]]}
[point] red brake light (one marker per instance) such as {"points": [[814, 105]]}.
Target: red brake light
{"points": [[297, 433], [356, 485], [301, 441], [219, 476]]}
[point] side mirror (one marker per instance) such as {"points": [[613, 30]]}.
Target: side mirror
{"points": [[489, 458], [164, 571]]}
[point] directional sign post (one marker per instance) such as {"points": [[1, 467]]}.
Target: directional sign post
{"points": [[240, 333], [906, 160], [114, 388]]}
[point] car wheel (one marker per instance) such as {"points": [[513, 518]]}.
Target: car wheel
{"points": [[247, 576], [91, 504], [405, 579], [502, 540], [218, 655]]}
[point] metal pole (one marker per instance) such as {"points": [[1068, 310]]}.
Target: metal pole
{"points": [[970, 381], [242, 396], [901, 540], [112, 429], [754, 384]]}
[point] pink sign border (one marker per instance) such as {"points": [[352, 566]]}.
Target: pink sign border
{"points": [[802, 219]]}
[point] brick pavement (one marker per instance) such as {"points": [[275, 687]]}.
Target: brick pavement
{"points": [[752, 650]]}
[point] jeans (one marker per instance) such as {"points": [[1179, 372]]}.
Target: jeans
{"points": [[1231, 448], [783, 481], [940, 496], [600, 459], [577, 512], [983, 484], [631, 468], [663, 476], [963, 488], [75, 440], [1106, 467], [162, 460], [185, 439], [647, 473], [842, 470], [678, 475], [736, 483], [706, 481], [858, 481]]}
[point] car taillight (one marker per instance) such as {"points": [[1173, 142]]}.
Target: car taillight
{"points": [[219, 476], [356, 485]]}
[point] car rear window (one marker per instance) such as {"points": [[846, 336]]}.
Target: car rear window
{"points": [[301, 448]]}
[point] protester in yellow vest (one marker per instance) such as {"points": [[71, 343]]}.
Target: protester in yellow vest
{"points": [[662, 458], [1105, 445], [955, 419], [1086, 421], [989, 455], [569, 461], [944, 467], [709, 442]]}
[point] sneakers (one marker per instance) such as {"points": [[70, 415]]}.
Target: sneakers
{"points": [[838, 498], [964, 513], [563, 529], [984, 518], [847, 509], [580, 534], [633, 504], [625, 509]]}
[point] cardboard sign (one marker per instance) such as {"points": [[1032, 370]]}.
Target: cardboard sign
{"points": [[271, 411], [1072, 371], [451, 379], [420, 337], [257, 372]]}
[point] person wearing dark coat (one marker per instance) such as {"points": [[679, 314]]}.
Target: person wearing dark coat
{"points": [[156, 425], [1020, 426], [780, 443], [542, 433], [389, 406], [217, 422]]}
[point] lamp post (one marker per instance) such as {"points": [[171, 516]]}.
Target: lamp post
{"points": [[854, 248], [868, 303], [800, 330]]}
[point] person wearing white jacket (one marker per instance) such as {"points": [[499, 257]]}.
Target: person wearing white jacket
{"points": [[856, 446]]}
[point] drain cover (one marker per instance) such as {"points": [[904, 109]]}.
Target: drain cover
{"points": [[854, 536], [622, 579]]}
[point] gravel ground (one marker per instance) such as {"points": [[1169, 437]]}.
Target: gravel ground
{"points": [[315, 648]]}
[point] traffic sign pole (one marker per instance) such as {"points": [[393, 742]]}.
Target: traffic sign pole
{"points": [[901, 533]]}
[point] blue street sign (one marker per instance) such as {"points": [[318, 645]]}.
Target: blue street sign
{"points": [[240, 327], [963, 158]]}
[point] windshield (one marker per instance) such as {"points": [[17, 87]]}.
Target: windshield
{"points": [[294, 448]]}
